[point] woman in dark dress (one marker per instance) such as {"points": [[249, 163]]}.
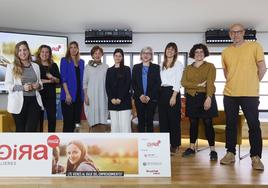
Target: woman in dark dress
{"points": [[50, 77]]}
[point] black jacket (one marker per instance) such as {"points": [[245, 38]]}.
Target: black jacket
{"points": [[49, 90], [153, 81], [117, 84]]}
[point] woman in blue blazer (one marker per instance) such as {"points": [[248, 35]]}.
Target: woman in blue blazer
{"points": [[72, 70]]}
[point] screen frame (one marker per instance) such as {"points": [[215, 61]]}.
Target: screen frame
{"points": [[33, 35]]}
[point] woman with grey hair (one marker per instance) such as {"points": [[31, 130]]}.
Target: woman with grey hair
{"points": [[146, 83]]}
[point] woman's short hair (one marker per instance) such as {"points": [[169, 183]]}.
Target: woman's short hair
{"points": [[199, 46], [94, 49], [148, 48]]}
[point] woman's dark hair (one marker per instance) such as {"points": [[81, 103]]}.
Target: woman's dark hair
{"points": [[121, 66], [119, 50], [199, 46], [174, 46]]}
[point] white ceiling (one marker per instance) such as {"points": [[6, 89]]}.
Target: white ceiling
{"points": [[66, 16]]}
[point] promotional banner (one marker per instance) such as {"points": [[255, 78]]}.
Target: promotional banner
{"points": [[84, 154]]}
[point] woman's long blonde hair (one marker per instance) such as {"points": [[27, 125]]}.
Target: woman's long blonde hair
{"points": [[18, 68], [68, 54]]}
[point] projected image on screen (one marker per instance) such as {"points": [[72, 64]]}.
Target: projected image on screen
{"points": [[9, 40]]}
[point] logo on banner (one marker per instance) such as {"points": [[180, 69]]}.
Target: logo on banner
{"points": [[152, 163], [25, 151], [154, 144], [28, 151], [53, 141], [150, 155], [56, 48], [153, 171]]}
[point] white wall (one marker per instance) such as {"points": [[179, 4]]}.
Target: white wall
{"points": [[158, 41]]}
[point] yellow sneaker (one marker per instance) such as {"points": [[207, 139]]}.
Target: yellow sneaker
{"points": [[228, 159], [256, 163]]}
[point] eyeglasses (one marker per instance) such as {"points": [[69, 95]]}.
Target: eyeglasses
{"points": [[199, 52], [239, 32], [147, 53]]}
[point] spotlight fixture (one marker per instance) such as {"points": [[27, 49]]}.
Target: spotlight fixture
{"points": [[222, 36], [117, 36]]}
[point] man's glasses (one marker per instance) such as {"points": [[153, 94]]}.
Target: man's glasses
{"points": [[239, 32]]}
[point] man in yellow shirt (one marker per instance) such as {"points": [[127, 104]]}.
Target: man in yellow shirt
{"points": [[244, 67]]}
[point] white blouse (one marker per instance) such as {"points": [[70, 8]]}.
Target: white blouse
{"points": [[172, 76]]}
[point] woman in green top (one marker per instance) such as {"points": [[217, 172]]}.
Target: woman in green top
{"points": [[198, 80]]}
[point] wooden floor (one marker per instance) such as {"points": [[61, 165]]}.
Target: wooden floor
{"points": [[193, 172]]}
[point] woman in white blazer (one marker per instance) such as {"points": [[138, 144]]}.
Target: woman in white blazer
{"points": [[23, 83]]}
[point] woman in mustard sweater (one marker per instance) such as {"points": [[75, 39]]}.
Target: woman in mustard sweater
{"points": [[198, 80]]}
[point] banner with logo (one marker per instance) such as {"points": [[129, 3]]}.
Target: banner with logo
{"points": [[84, 154]]}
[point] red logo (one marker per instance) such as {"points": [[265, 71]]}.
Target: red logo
{"points": [[53, 141], [26, 151], [156, 144], [56, 48]]}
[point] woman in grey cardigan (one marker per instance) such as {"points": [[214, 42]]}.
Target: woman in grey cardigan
{"points": [[96, 102]]}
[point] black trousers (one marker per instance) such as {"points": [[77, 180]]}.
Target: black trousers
{"points": [[50, 108], [71, 115], [209, 130], [28, 119], [249, 106], [170, 117], [145, 113]]}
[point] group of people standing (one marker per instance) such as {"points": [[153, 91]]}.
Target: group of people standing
{"points": [[102, 89]]}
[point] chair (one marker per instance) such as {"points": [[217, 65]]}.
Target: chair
{"points": [[7, 123], [219, 124]]}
